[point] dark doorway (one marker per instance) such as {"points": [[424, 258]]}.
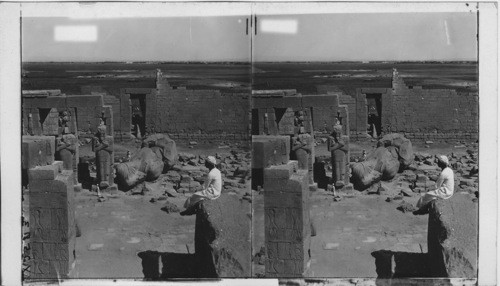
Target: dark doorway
{"points": [[374, 112], [138, 106], [255, 122]]}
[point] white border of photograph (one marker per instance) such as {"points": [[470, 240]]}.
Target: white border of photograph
{"points": [[10, 89]]}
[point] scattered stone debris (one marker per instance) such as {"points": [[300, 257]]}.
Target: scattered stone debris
{"points": [[406, 192], [406, 207], [170, 207]]}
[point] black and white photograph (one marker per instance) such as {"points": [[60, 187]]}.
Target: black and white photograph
{"points": [[365, 145], [142, 127], [292, 143]]}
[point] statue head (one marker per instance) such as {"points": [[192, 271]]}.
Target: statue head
{"points": [[101, 131], [337, 130]]}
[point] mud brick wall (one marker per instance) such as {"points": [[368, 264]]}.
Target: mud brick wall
{"points": [[452, 237], [287, 221], [222, 237], [52, 221], [202, 115], [434, 114], [268, 151]]}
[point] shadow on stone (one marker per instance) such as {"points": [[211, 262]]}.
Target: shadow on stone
{"points": [[390, 264], [174, 265]]}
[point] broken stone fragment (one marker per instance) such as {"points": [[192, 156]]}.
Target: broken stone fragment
{"points": [[406, 207], [422, 178], [429, 161], [171, 192], [407, 192], [170, 207]]}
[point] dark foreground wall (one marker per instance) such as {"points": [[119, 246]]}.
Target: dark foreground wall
{"points": [[452, 237], [222, 238]]}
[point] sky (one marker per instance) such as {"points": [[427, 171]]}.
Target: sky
{"points": [[442, 36]]}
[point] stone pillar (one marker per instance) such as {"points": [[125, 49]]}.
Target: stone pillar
{"points": [[36, 151], [52, 221], [267, 151], [287, 221]]}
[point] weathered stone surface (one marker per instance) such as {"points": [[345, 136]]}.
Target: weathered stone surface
{"points": [[52, 222], [222, 237], [402, 146], [37, 151], [287, 221], [170, 207], [268, 151], [164, 147], [48, 172], [452, 237]]}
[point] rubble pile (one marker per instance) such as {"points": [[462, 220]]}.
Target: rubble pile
{"points": [[423, 175], [188, 176]]}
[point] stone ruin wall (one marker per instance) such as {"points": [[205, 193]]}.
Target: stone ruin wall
{"points": [[186, 115], [203, 115], [420, 114], [434, 114], [86, 111]]}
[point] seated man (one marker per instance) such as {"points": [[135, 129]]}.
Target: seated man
{"points": [[444, 186], [211, 188]]}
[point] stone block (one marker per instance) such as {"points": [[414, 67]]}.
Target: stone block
{"points": [[286, 220], [284, 171], [222, 237], [452, 237], [60, 183], [37, 151], [270, 150], [48, 172], [52, 221]]}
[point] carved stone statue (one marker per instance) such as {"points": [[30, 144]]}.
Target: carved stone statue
{"points": [[66, 146], [301, 148], [66, 150], [63, 122], [299, 122], [103, 157], [339, 149]]}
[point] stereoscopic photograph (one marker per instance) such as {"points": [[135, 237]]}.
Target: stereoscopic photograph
{"points": [[165, 141]]}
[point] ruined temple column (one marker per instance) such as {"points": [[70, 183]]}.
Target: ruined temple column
{"points": [[51, 209], [287, 220]]}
